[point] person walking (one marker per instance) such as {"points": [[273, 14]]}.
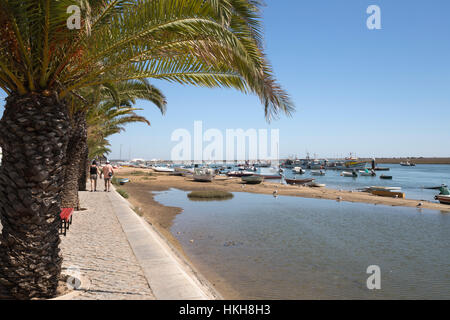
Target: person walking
{"points": [[108, 173], [94, 172]]}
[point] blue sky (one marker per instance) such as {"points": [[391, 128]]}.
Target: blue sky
{"points": [[371, 92]]}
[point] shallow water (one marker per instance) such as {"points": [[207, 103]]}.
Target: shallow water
{"points": [[296, 248]]}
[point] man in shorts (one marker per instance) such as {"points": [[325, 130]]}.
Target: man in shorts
{"points": [[108, 173]]}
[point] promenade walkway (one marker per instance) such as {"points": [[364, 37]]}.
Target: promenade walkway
{"points": [[123, 257], [97, 246]]}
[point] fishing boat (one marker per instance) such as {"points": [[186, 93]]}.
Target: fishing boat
{"points": [[298, 170], [443, 199], [163, 169], [253, 179], [407, 164], [203, 175], [379, 188], [385, 177], [316, 185], [123, 181], [367, 173], [436, 188], [270, 177], [317, 173], [382, 169], [240, 174], [352, 174], [298, 181], [391, 194], [184, 170]]}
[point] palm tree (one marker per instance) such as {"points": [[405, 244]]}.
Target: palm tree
{"points": [[110, 124], [44, 64], [102, 107]]}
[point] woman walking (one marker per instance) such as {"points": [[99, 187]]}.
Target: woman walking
{"points": [[94, 171]]}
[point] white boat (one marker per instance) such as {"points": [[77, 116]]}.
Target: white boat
{"points": [[317, 173], [379, 188], [298, 170], [240, 173], [407, 164], [367, 173], [204, 175], [163, 169], [317, 185], [349, 174]]}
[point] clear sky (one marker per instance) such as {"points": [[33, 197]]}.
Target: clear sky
{"points": [[371, 92]]}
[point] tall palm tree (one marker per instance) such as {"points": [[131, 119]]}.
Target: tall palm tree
{"points": [[43, 64]]}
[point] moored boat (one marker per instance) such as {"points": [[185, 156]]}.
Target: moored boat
{"points": [[407, 164], [240, 174], [123, 181], [163, 169], [270, 177], [379, 188], [298, 181], [203, 175], [298, 170], [316, 185], [391, 194], [317, 173], [436, 188], [352, 174], [444, 199], [385, 177], [367, 173], [255, 179]]}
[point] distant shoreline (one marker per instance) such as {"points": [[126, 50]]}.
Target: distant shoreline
{"points": [[418, 160]]}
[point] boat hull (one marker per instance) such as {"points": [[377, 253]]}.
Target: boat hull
{"points": [[253, 179], [270, 177], [299, 181], [390, 194], [203, 178], [443, 199]]}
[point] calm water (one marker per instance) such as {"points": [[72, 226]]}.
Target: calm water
{"points": [[411, 179], [295, 248]]}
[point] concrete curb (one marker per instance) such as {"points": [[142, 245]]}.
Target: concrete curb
{"points": [[169, 277]]}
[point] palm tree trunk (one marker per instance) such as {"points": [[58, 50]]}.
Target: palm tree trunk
{"points": [[33, 136], [84, 163], [74, 155]]}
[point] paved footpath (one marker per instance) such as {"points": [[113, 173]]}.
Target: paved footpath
{"points": [[98, 247], [124, 257]]}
